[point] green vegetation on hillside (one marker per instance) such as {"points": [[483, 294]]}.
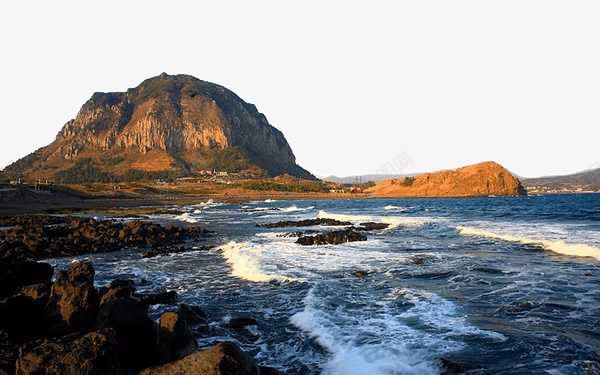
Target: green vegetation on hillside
{"points": [[296, 186]]}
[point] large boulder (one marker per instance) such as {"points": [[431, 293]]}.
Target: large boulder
{"points": [[22, 317], [73, 298], [176, 339], [91, 354], [332, 238], [16, 274], [136, 332], [222, 359], [8, 353]]}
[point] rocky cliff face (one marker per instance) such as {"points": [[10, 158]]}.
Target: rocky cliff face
{"points": [[167, 124], [482, 179]]}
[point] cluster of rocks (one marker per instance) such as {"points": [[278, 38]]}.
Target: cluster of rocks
{"points": [[332, 237], [335, 237], [41, 237], [305, 223], [70, 327]]}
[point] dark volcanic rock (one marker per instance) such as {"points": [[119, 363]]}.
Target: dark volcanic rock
{"points": [[194, 315], [176, 339], [222, 359], [136, 333], [91, 354], [372, 226], [305, 223], [16, 274], [452, 367], [360, 274], [8, 353], [160, 298], [332, 238], [73, 298], [241, 322], [35, 240]]}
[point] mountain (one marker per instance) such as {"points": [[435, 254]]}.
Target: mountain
{"points": [[481, 179], [174, 125], [587, 181]]}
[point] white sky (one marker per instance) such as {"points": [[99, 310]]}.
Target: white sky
{"points": [[351, 84]]}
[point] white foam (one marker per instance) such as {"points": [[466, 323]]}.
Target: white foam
{"points": [[394, 208], [244, 259], [208, 204], [350, 358], [557, 246], [186, 217], [270, 200], [295, 208], [437, 312], [393, 221]]}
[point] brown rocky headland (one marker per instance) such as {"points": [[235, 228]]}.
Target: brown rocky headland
{"points": [[483, 179]]}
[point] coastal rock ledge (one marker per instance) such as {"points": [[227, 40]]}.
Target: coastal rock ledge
{"points": [[478, 180]]}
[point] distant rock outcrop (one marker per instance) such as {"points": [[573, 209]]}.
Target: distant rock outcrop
{"points": [[482, 179], [168, 125]]}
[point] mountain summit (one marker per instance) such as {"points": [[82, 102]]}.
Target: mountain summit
{"points": [[169, 124]]}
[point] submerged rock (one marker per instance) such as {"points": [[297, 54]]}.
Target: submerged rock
{"points": [[332, 238], [360, 274], [160, 298], [450, 366], [241, 322], [305, 223]]}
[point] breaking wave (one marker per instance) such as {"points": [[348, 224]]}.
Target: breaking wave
{"points": [[295, 208], [186, 217], [352, 358], [244, 259], [556, 246], [393, 221]]}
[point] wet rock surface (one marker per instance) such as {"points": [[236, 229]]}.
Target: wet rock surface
{"points": [[92, 353], [305, 223], [41, 237], [222, 359], [73, 298], [369, 226], [175, 337], [332, 238], [70, 327]]}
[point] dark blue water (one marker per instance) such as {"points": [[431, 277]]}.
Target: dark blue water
{"points": [[502, 285]]}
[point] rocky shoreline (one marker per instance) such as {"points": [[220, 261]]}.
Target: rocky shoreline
{"points": [[68, 326], [62, 323], [42, 237]]}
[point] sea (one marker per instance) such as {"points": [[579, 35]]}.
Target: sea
{"points": [[489, 285]]}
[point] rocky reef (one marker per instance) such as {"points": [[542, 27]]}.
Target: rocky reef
{"points": [[40, 237], [68, 326]]}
